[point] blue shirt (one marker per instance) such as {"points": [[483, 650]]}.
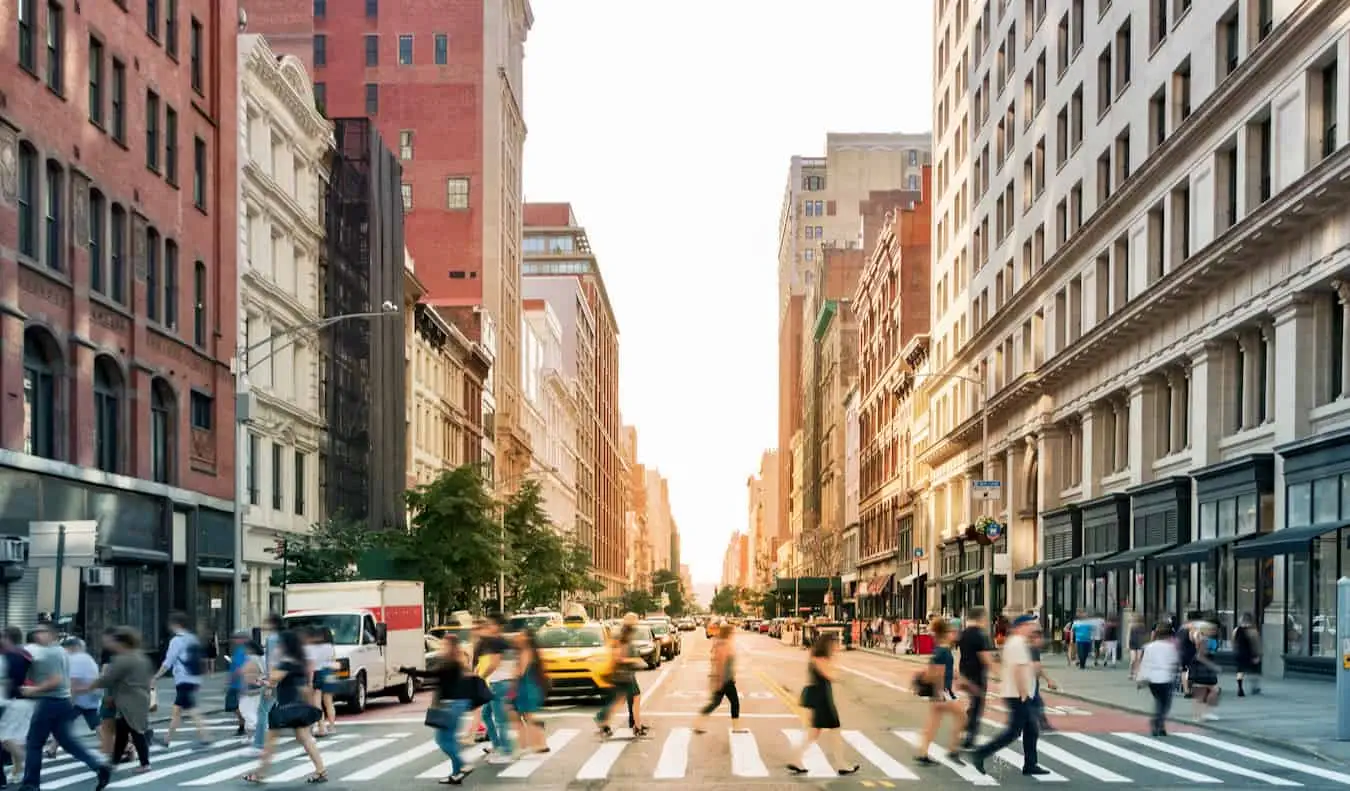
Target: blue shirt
{"points": [[238, 658], [175, 659], [1082, 631]]}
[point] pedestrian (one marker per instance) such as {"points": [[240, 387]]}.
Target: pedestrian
{"points": [[531, 690], [454, 697], [1019, 691], [977, 661], [267, 698], [251, 689], [818, 699], [107, 716], [932, 684], [234, 687], [127, 680], [289, 674], [1158, 666], [322, 657], [476, 727], [1137, 636], [49, 689], [86, 699], [1203, 674], [497, 664], [623, 680], [1034, 648], [18, 716], [1247, 647], [1082, 638], [1110, 641], [184, 662], [722, 680]]}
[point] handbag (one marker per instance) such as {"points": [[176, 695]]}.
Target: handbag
{"points": [[293, 715], [441, 717], [154, 699], [480, 694]]}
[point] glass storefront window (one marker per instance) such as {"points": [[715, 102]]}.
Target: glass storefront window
{"points": [[1247, 505], [1324, 572], [1299, 505], [1326, 503], [1297, 585], [1227, 518], [1209, 520]]}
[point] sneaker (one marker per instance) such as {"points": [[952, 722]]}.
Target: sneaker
{"points": [[500, 759]]}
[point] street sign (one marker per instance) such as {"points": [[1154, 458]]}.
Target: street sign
{"points": [[62, 543], [986, 490]]}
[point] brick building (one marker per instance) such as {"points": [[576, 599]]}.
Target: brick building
{"points": [[118, 215]]}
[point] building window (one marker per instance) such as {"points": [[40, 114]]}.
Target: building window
{"points": [[171, 284], [96, 81], [170, 145], [28, 35], [1329, 108], [195, 55], [813, 183], [372, 98], [320, 50], [119, 101], [97, 251], [278, 497], [107, 415], [299, 483], [117, 254], [199, 173], [407, 197], [372, 8], [457, 193], [321, 97], [55, 216], [152, 242], [372, 50], [56, 47], [152, 18], [39, 397], [28, 197], [152, 130], [161, 431], [405, 50], [320, 8], [405, 144], [442, 49], [254, 495], [171, 28], [203, 407], [199, 304]]}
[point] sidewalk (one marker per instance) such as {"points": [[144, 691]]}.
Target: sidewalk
{"points": [[1294, 714]]}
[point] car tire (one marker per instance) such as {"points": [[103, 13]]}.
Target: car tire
{"points": [[408, 691], [359, 699]]}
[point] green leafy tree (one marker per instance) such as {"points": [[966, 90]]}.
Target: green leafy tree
{"points": [[328, 553], [725, 601], [668, 582], [454, 544], [544, 565], [640, 602]]}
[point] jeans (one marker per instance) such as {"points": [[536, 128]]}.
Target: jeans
{"points": [[52, 718], [1022, 721], [448, 738], [728, 691], [1084, 649], [265, 706], [494, 718], [1162, 703], [973, 713]]}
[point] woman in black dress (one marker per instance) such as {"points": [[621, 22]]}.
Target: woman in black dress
{"points": [[289, 675], [818, 699]]}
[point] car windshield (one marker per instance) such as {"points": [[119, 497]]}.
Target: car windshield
{"points": [[346, 628], [642, 633], [568, 637], [659, 629], [525, 623]]}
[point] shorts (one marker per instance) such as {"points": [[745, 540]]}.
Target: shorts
{"points": [[106, 710], [90, 716], [185, 696], [320, 679]]}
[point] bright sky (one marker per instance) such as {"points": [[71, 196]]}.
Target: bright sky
{"points": [[668, 125]]}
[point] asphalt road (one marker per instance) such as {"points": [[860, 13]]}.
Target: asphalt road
{"points": [[387, 747]]}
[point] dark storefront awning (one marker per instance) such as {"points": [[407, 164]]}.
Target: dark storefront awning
{"points": [[1084, 561], [1032, 572], [1127, 559], [1196, 551], [1288, 541], [960, 576], [878, 584]]}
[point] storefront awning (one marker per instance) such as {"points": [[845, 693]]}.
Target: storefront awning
{"points": [[907, 581], [962, 576], [1196, 551], [1127, 559], [1288, 541], [1032, 572], [878, 584], [1081, 562]]}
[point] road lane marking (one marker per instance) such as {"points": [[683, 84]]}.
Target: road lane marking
{"points": [[297, 772], [745, 760], [1067, 758], [813, 761], [877, 756], [875, 679], [1015, 759], [674, 759], [378, 769], [1273, 760], [527, 766], [152, 776], [744, 715], [468, 755], [157, 753], [965, 771], [601, 761], [1204, 760], [1104, 746], [239, 769]]}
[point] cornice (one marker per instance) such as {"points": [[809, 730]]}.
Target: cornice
{"points": [[285, 79], [260, 291]]}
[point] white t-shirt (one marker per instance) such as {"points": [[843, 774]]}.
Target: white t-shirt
{"points": [[1016, 659], [319, 655]]}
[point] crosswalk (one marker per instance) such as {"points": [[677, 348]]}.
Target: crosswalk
{"points": [[367, 756]]}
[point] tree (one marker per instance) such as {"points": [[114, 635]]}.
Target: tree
{"points": [[455, 541], [724, 601], [544, 565], [639, 601], [328, 553], [668, 582]]}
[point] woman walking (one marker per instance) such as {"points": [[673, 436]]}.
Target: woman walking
{"points": [[1159, 663], [251, 688], [722, 679], [126, 678], [623, 680], [932, 684], [1137, 637], [1247, 647], [321, 656], [818, 698], [453, 701], [289, 674], [1203, 673], [531, 691], [18, 713]]}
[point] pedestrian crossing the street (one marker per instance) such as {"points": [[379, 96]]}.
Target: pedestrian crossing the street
{"points": [[368, 756]]}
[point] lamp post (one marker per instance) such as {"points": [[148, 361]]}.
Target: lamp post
{"points": [[243, 414]]}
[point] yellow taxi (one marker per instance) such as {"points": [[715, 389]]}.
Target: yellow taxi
{"points": [[575, 655]]}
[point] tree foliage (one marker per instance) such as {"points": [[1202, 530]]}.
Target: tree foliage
{"points": [[454, 545], [328, 553], [668, 582], [725, 601], [640, 602], [544, 564]]}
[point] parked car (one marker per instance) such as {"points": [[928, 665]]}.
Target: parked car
{"points": [[667, 637], [686, 625], [646, 645]]}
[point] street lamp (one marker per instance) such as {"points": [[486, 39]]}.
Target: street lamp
{"points": [[243, 409]]}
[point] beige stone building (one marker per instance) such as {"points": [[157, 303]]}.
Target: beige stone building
{"points": [[763, 531], [835, 338]]}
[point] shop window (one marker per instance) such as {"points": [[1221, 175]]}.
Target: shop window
{"points": [[1298, 502], [1248, 514], [1297, 589], [1326, 500], [1227, 524], [1325, 568], [1209, 520]]}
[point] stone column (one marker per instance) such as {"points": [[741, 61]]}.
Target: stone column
{"points": [[1207, 399], [1269, 352], [1047, 468], [1176, 403], [1121, 449], [1089, 477], [1249, 342], [1143, 416], [1343, 297]]}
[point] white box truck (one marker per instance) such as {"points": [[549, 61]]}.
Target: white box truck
{"points": [[377, 628]]}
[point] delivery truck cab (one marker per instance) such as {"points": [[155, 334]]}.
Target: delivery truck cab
{"points": [[377, 628]]}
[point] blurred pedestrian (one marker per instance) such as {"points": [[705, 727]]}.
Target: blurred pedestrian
{"points": [[322, 657], [184, 662], [49, 689], [932, 684], [289, 676], [530, 692], [127, 680], [267, 699], [623, 679], [976, 663], [722, 680], [818, 699], [86, 699], [454, 697], [1159, 664], [1019, 691], [1247, 648], [18, 715]]}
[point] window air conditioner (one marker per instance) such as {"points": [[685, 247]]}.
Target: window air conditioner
{"points": [[13, 550]]}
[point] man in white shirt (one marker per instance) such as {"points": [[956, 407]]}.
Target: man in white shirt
{"points": [[1019, 692]]}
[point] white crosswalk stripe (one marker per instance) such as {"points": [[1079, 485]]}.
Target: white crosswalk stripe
{"points": [[677, 754]]}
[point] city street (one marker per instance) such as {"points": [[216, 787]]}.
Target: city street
{"points": [[388, 744]]}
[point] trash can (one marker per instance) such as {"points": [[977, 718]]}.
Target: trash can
{"points": [[923, 644]]}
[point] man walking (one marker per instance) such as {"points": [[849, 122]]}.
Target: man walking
{"points": [[267, 699], [976, 662], [1019, 692], [53, 711], [499, 668], [184, 661]]}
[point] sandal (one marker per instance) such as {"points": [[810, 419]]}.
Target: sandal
{"points": [[317, 777], [253, 777]]}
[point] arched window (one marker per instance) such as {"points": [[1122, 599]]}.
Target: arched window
{"points": [[56, 216], [161, 431], [107, 415], [39, 395], [28, 200]]}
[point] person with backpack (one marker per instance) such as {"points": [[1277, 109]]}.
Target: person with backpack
{"points": [[184, 661]]}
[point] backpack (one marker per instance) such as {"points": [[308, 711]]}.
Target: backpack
{"points": [[192, 656]]}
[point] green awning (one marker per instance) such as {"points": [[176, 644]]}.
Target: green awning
{"points": [[1081, 562], [1286, 541], [1127, 559], [1196, 551], [1032, 572], [808, 584]]}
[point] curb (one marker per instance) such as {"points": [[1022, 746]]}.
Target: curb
{"points": [[1267, 741]]}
